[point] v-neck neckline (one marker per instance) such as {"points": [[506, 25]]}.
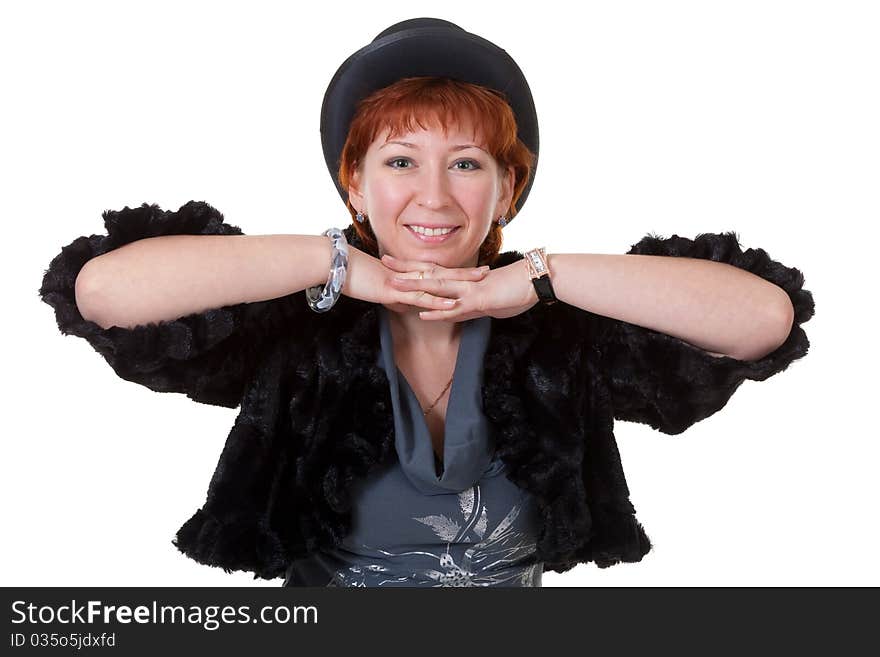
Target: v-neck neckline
{"points": [[439, 460], [467, 449]]}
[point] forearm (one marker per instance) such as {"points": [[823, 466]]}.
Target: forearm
{"points": [[711, 305], [163, 278]]}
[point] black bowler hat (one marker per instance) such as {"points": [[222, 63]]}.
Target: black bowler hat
{"points": [[421, 47]]}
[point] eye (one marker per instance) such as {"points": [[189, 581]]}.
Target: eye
{"points": [[474, 163], [397, 159]]}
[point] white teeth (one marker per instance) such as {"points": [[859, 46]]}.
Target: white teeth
{"points": [[431, 231]]}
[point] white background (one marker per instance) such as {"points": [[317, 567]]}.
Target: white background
{"points": [[670, 117]]}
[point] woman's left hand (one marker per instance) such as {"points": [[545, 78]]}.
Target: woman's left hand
{"points": [[502, 292]]}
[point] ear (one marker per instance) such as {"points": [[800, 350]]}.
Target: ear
{"points": [[355, 197], [506, 196]]}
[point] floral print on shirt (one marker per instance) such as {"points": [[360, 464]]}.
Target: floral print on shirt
{"points": [[504, 556]]}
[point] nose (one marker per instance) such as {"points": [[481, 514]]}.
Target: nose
{"points": [[433, 187]]}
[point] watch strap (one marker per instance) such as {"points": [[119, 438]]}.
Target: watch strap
{"points": [[539, 272]]}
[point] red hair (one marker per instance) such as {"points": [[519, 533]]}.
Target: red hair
{"points": [[445, 101]]}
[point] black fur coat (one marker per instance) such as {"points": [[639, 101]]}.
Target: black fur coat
{"points": [[316, 408]]}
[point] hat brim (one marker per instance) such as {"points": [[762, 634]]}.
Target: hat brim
{"points": [[424, 51]]}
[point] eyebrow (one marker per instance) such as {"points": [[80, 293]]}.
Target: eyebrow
{"points": [[457, 147]]}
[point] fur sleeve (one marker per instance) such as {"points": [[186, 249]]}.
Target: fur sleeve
{"points": [[208, 356], [669, 384]]}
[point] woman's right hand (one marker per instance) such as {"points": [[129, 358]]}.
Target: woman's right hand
{"points": [[369, 279]]}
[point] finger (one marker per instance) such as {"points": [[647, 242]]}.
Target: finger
{"points": [[457, 273], [429, 269], [453, 315], [392, 263], [434, 314], [412, 267], [421, 299], [409, 265], [425, 300], [438, 286], [466, 273]]}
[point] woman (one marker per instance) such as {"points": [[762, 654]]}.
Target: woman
{"points": [[386, 437]]}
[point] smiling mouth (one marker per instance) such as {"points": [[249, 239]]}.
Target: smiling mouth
{"points": [[432, 238]]}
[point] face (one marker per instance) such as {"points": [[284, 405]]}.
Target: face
{"points": [[433, 182]]}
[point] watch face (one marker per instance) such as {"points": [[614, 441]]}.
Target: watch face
{"points": [[536, 262]]}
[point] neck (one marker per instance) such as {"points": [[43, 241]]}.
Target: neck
{"points": [[411, 331]]}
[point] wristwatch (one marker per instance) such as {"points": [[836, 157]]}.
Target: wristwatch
{"points": [[539, 271]]}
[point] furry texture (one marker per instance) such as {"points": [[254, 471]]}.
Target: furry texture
{"points": [[316, 408], [669, 384], [208, 356]]}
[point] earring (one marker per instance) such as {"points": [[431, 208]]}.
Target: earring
{"points": [[360, 217], [502, 221]]}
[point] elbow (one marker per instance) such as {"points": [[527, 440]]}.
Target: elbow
{"points": [[770, 334], [87, 294], [782, 320]]}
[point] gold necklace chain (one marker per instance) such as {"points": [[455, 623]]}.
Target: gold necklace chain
{"points": [[438, 398]]}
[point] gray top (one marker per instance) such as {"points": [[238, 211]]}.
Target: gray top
{"points": [[467, 526]]}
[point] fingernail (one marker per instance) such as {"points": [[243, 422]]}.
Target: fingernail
{"points": [[450, 302], [389, 256]]}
